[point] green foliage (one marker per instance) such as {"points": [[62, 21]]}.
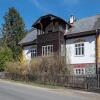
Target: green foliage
{"points": [[5, 56], [13, 31]]}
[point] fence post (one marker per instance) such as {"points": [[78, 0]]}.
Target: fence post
{"points": [[98, 81], [86, 84]]}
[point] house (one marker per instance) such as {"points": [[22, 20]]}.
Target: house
{"points": [[83, 45], [76, 40], [45, 38]]}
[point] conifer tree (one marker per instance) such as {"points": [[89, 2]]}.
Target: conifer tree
{"points": [[13, 30]]}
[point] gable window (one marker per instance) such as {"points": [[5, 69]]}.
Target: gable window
{"points": [[79, 49], [33, 53], [47, 50]]}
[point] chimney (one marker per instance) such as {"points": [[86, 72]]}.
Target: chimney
{"points": [[72, 19]]}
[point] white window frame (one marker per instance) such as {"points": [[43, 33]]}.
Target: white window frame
{"points": [[33, 53], [79, 49], [47, 50], [79, 71]]}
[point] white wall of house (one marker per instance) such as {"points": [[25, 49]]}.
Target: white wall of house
{"points": [[27, 53], [89, 50], [85, 60]]}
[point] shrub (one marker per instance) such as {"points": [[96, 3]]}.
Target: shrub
{"points": [[16, 67], [41, 69], [49, 65], [5, 56]]}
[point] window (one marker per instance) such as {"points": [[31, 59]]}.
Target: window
{"points": [[47, 50], [79, 49], [61, 27], [80, 71], [62, 50], [33, 53], [39, 32]]}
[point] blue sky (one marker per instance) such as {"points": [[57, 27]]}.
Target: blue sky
{"points": [[30, 10]]}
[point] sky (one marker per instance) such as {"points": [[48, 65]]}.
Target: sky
{"points": [[31, 10]]}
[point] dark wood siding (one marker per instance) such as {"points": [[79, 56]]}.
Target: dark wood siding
{"points": [[53, 38]]}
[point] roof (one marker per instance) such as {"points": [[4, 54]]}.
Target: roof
{"points": [[49, 15], [30, 37], [84, 25]]}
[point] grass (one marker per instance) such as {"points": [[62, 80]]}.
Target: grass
{"points": [[36, 84]]}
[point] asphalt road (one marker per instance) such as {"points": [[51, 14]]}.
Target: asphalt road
{"points": [[16, 91]]}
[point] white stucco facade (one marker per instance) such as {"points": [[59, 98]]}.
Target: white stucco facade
{"points": [[81, 63], [27, 53], [89, 50]]}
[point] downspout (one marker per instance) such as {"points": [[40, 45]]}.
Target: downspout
{"points": [[65, 47], [41, 32], [59, 52]]}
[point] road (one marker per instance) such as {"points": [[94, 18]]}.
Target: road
{"points": [[17, 91]]}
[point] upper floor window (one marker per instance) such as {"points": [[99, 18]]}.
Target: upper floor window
{"points": [[61, 27], [39, 32], [79, 49], [47, 50], [33, 53]]}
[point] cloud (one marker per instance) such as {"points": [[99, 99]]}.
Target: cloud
{"points": [[71, 2], [44, 5], [40, 6], [36, 3]]}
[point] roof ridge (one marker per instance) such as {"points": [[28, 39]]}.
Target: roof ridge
{"points": [[86, 24], [88, 17], [30, 30]]}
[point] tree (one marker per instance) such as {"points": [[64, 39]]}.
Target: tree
{"points": [[5, 56], [13, 31]]}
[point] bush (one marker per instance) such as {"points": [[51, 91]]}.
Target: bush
{"points": [[50, 65], [48, 70], [16, 67], [5, 56]]}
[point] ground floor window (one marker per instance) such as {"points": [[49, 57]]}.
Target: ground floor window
{"points": [[47, 50], [79, 71], [33, 53]]}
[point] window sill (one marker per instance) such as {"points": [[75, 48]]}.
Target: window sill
{"points": [[79, 55], [80, 74]]}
